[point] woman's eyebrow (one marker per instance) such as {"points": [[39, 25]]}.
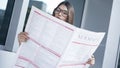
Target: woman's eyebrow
{"points": [[62, 9]]}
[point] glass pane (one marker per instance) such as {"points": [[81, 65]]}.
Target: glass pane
{"points": [[6, 7], [3, 5]]}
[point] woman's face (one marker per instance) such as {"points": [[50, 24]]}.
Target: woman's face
{"points": [[61, 13]]}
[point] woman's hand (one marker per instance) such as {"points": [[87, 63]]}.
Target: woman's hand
{"points": [[91, 60], [22, 37]]}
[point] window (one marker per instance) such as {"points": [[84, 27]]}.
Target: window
{"points": [[6, 7]]}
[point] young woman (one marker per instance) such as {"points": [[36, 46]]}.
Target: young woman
{"points": [[64, 11]]}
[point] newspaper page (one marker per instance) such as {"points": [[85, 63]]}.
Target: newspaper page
{"points": [[54, 43], [82, 45]]}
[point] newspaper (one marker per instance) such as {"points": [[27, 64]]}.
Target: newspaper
{"points": [[54, 43]]}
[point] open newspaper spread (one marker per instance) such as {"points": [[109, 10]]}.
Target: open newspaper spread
{"points": [[55, 44]]}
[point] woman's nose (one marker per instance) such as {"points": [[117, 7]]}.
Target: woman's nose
{"points": [[60, 13]]}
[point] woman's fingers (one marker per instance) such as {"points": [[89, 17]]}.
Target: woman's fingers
{"points": [[91, 61], [23, 37]]}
